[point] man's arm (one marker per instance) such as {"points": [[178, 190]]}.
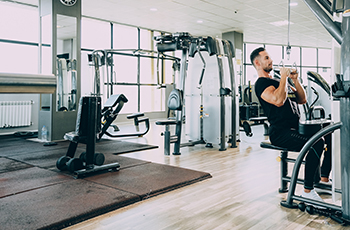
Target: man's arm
{"points": [[299, 89], [277, 96]]}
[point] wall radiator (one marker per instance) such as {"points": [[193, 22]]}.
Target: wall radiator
{"points": [[15, 114]]}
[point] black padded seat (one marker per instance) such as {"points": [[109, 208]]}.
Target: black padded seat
{"points": [[258, 119], [268, 145], [131, 116], [167, 122]]}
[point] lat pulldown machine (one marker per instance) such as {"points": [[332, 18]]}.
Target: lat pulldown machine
{"points": [[341, 92]]}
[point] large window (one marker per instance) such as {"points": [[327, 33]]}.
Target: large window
{"points": [[95, 34], [19, 36], [134, 72], [20, 23]]}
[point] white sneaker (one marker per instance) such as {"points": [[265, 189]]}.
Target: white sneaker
{"points": [[326, 191], [312, 195]]}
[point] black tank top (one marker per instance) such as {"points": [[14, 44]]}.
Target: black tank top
{"points": [[284, 117]]}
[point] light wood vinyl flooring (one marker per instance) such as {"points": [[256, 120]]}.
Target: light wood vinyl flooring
{"points": [[242, 193]]}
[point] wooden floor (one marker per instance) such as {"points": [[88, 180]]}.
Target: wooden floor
{"points": [[242, 194]]}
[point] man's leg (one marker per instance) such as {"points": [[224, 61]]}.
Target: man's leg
{"points": [[294, 141]]}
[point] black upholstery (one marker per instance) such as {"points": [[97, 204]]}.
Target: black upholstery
{"points": [[268, 145], [113, 100], [81, 130], [318, 79], [167, 122]]}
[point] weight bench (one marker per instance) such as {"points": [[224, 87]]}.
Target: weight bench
{"points": [[110, 111], [88, 125]]}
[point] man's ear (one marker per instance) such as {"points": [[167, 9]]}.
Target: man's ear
{"points": [[256, 62]]}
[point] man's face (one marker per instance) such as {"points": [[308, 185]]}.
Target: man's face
{"points": [[265, 61]]}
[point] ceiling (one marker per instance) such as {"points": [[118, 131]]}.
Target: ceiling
{"points": [[214, 17]]}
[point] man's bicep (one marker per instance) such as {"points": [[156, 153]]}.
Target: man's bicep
{"points": [[268, 95]]}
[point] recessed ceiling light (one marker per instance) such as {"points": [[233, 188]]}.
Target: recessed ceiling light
{"points": [[199, 21], [281, 23], [293, 4], [153, 9]]}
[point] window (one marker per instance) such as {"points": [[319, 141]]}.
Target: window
{"points": [[275, 53], [152, 99], [148, 75], [146, 39], [95, 34], [124, 37], [19, 58], [309, 57], [18, 22], [125, 68], [324, 57]]}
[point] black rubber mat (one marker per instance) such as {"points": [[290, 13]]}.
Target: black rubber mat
{"points": [[35, 195]]}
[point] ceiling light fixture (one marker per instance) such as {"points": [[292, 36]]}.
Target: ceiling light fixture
{"points": [[281, 23], [293, 4], [199, 21], [153, 9]]}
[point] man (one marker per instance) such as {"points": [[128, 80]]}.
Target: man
{"points": [[279, 101]]}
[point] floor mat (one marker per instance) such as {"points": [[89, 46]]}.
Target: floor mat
{"points": [[35, 195]]}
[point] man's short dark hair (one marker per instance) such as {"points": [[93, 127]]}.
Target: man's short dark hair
{"points": [[255, 53]]}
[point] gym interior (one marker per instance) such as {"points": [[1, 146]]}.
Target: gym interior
{"points": [[143, 114]]}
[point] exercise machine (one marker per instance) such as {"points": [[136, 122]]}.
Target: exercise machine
{"points": [[341, 92], [250, 113], [104, 58], [88, 128], [170, 43], [205, 123], [211, 107], [92, 123]]}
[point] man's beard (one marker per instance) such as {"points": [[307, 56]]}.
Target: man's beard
{"points": [[268, 69]]}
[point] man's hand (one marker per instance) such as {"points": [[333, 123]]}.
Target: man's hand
{"points": [[284, 72], [293, 74]]}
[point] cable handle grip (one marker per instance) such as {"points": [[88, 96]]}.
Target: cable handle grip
{"points": [[294, 66], [203, 69]]}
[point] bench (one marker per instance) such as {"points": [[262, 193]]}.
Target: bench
{"points": [[88, 125]]}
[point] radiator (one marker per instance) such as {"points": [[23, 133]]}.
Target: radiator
{"points": [[15, 114]]}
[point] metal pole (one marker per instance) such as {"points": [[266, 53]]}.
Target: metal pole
{"points": [[344, 115], [111, 63], [222, 99], [183, 73], [328, 23]]}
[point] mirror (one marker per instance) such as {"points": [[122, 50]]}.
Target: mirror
{"points": [[66, 64], [46, 56]]}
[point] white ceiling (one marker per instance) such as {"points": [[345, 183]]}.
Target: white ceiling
{"points": [[251, 17]]}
